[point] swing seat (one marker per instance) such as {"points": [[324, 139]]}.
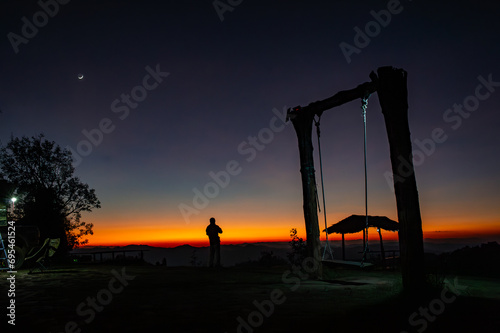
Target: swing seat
{"points": [[336, 262]]}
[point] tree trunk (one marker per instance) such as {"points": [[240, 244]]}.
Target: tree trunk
{"points": [[393, 97], [303, 127]]}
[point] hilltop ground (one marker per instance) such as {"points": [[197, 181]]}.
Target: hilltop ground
{"points": [[106, 298]]}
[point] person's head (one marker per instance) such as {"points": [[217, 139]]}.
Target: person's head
{"points": [[212, 220]]}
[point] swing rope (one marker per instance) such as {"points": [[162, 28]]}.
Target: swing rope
{"points": [[364, 106], [317, 122]]}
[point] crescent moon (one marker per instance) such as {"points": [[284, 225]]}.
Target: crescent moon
{"points": [[80, 76]]}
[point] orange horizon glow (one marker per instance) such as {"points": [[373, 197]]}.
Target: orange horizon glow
{"points": [[194, 235]]}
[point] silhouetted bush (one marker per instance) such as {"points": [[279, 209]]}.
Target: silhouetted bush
{"points": [[267, 259], [477, 260], [299, 249]]}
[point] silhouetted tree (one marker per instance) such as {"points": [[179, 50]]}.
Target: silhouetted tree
{"points": [[50, 196]]}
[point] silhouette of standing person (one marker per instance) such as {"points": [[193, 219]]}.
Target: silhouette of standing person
{"points": [[213, 231]]}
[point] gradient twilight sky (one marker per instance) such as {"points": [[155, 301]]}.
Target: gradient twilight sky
{"points": [[225, 79]]}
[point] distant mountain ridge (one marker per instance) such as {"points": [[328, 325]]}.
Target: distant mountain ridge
{"points": [[187, 255]]}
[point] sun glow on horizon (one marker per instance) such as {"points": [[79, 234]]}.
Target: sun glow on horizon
{"points": [[170, 236]]}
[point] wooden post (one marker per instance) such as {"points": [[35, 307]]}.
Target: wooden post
{"points": [[303, 123], [393, 97], [382, 252], [343, 247]]}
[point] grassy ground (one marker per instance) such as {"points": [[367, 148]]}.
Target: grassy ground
{"points": [[244, 299]]}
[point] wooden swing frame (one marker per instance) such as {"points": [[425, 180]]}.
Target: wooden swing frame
{"points": [[391, 86]]}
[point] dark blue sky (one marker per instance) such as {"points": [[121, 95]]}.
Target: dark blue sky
{"points": [[226, 77]]}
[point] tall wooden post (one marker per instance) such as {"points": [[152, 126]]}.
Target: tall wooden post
{"points": [[343, 247], [303, 123], [382, 251], [393, 97]]}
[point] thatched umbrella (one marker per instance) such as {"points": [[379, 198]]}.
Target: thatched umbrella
{"points": [[357, 223]]}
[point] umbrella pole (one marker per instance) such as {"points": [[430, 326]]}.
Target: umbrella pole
{"points": [[364, 239], [343, 247], [382, 252]]}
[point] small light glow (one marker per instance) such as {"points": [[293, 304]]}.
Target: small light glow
{"points": [[13, 200]]}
